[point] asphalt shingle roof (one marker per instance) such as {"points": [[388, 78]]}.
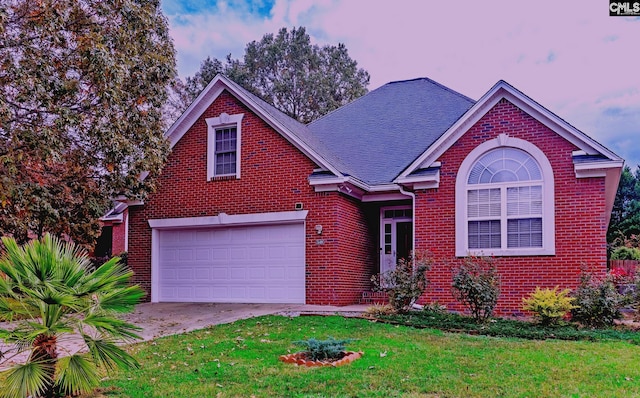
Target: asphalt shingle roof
{"points": [[300, 130], [378, 135]]}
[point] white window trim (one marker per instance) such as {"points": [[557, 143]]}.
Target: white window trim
{"points": [[213, 123], [548, 203]]}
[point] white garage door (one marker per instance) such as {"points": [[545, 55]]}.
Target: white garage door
{"points": [[251, 264]]}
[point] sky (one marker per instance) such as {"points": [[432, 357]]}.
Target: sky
{"points": [[570, 55]]}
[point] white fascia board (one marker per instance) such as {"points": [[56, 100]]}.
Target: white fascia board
{"points": [[117, 219], [342, 185], [426, 184], [326, 181], [434, 178], [597, 169], [224, 219], [384, 188], [499, 91], [326, 187], [383, 197], [194, 111]]}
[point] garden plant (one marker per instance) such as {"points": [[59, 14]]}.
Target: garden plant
{"points": [[324, 350], [406, 282], [50, 294], [597, 301], [549, 305], [476, 284]]}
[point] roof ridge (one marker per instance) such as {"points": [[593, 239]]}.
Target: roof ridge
{"points": [[452, 91]]}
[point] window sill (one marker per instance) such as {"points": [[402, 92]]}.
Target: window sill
{"points": [[225, 177], [507, 252]]}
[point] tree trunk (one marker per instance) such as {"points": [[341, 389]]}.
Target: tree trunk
{"points": [[45, 351]]}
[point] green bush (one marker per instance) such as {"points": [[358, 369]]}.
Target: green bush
{"points": [[406, 283], [323, 350], [597, 302], [625, 253], [549, 305], [476, 284]]}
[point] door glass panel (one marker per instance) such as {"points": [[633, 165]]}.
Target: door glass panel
{"points": [[403, 240]]}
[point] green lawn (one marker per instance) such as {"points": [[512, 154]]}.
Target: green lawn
{"points": [[241, 360]]}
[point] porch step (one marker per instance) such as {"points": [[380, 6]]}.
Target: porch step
{"points": [[369, 297]]}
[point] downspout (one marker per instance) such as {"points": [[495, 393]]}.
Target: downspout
{"points": [[412, 195], [413, 218], [126, 230]]}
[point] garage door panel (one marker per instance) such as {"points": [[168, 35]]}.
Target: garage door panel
{"points": [[237, 253], [296, 252], [168, 275], [201, 293], [203, 254], [185, 274], [218, 273], [258, 273], [185, 255], [238, 264], [202, 274], [277, 273]]}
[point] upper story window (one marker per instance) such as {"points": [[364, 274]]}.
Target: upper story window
{"points": [[225, 151], [223, 147], [504, 201]]}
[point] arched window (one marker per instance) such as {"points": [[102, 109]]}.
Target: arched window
{"points": [[504, 201]]}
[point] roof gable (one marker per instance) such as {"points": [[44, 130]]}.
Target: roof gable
{"points": [[503, 90], [292, 130]]}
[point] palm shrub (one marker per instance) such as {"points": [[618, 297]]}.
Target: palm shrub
{"points": [[597, 301], [549, 305], [476, 284], [406, 282], [50, 294]]}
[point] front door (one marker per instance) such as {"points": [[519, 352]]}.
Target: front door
{"points": [[396, 240]]}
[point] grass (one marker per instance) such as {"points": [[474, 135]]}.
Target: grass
{"points": [[241, 360]]}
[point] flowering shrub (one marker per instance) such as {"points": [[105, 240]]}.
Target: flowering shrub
{"points": [[620, 276]]}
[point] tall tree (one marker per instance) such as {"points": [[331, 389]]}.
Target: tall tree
{"points": [[82, 86], [303, 80], [625, 217]]}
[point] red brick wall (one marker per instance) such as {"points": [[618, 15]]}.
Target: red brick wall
{"points": [[579, 215], [273, 178], [118, 235]]}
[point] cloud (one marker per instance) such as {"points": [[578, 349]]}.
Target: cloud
{"points": [[570, 56]]}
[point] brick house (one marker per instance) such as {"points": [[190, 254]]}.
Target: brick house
{"points": [[253, 206]]}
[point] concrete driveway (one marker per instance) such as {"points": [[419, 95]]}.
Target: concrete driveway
{"points": [[164, 319]]}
